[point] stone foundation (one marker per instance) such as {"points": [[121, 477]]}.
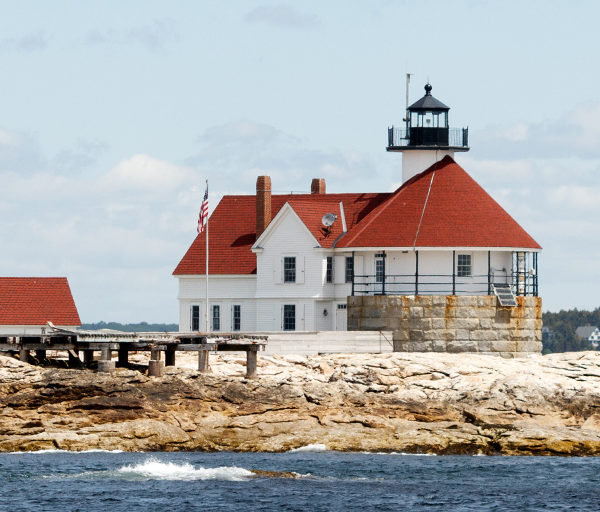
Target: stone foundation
{"points": [[450, 323]]}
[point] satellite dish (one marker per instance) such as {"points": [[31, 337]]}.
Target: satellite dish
{"points": [[328, 219]]}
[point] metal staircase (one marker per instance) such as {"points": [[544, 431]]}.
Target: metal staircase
{"points": [[505, 294]]}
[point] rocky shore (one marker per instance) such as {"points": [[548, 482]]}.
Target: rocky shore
{"points": [[405, 402]]}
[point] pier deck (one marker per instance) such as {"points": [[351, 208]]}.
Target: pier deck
{"points": [[106, 342]]}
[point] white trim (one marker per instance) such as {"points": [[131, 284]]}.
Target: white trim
{"points": [[343, 215], [215, 276], [285, 209], [411, 249]]}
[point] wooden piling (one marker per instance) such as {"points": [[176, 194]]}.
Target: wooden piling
{"points": [[24, 355], [155, 365], [251, 360], [203, 366], [170, 357], [105, 365], [88, 357], [155, 368], [123, 356]]}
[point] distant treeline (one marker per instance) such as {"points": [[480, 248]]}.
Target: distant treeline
{"points": [[141, 327], [562, 325]]}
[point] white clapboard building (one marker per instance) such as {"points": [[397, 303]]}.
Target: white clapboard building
{"points": [[289, 262]]}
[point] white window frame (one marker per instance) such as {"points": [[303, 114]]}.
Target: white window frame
{"points": [[233, 306], [329, 272], [348, 279], [283, 275], [458, 266], [192, 317], [215, 307], [283, 317]]}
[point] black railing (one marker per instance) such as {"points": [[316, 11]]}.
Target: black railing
{"points": [[441, 284], [428, 137]]}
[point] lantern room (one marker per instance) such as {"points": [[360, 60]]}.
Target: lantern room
{"points": [[427, 128]]}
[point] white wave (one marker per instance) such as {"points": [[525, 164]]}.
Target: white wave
{"points": [[317, 447], [55, 450], [153, 469], [404, 454]]}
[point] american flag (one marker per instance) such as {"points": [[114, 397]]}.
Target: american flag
{"points": [[203, 217]]}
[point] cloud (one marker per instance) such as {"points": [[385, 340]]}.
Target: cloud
{"points": [[281, 16], [78, 158], [117, 234], [154, 36], [575, 133], [28, 43], [555, 200], [142, 172], [242, 150], [20, 152]]}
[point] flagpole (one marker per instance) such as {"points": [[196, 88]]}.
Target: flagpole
{"points": [[207, 324]]}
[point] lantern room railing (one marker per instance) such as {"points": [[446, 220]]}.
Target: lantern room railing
{"points": [[428, 137]]}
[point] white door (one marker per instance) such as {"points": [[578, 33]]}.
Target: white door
{"points": [[341, 321]]}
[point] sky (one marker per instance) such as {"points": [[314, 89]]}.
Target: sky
{"points": [[114, 113]]}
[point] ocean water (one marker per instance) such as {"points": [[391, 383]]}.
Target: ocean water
{"points": [[325, 481]]}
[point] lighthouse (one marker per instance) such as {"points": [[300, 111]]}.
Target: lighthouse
{"points": [[427, 137]]}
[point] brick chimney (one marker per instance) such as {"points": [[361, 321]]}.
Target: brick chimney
{"points": [[263, 204], [317, 186]]}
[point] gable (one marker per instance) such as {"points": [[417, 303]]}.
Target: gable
{"points": [[286, 228]]}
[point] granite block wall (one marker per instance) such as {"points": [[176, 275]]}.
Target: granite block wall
{"points": [[450, 323]]}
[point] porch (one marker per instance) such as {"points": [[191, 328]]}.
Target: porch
{"points": [[465, 278]]}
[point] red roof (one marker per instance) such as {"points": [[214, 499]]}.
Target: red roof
{"points": [[232, 228], [441, 207], [37, 300]]}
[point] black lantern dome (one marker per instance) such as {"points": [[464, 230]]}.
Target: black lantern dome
{"points": [[427, 128]]}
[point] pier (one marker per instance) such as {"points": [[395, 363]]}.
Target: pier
{"points": [[162, 347]]}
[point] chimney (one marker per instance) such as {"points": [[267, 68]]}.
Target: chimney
{"points": [[317, 186], [263, 204]]}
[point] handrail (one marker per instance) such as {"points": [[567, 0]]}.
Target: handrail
{"points": [[523, 284], [390, 343], [421, 136]]}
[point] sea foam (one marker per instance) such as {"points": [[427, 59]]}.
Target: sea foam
{"points": [[56, 450], [317, 447], [153, 469]]}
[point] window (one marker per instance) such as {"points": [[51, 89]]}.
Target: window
{"points": [[463, 265], [289, 317], [342, 306], [195, 318], [289, 269], [216, 318], [329, 271], [379, 270], [349, 269], [237, 317]]}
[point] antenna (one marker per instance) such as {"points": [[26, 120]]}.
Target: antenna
{"points": [[328, 219], [408, 75], [407, 116]]}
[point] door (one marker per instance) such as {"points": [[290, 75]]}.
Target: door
{"points": [[379, 274], [341, 320]]}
